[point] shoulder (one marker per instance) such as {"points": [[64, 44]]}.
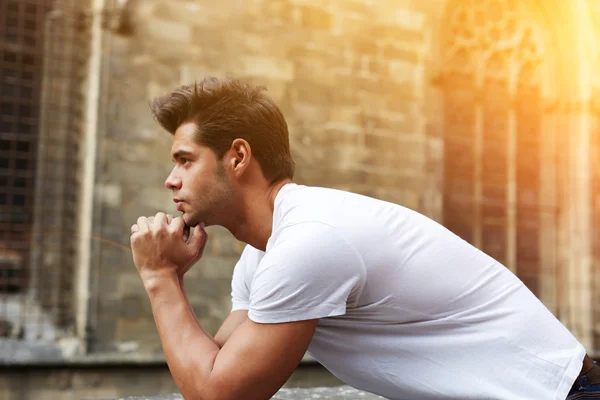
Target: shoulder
{"points": [[306, 247], [310, 271], [299, 203]]}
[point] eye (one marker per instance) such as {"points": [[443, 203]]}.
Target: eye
{"points": [[184, 160]]}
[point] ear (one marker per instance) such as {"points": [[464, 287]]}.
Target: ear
{"points": [[240, 156]]}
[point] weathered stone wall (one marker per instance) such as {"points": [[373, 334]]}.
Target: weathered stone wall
{"points": [[356, 82], [350, 78]]}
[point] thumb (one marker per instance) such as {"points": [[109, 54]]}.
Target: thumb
{"points": [[198, 239]]}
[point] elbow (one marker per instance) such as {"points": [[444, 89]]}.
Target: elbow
{"points": [[205, 394], [194, 392], [227, 392], [209, 388]]}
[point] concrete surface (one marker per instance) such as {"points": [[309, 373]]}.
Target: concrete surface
{"points": [[333, 393]]}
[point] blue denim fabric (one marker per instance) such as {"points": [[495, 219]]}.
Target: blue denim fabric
{"points": [[583, 389]]}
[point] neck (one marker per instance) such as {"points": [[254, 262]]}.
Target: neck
{"points": [[256, 220]]}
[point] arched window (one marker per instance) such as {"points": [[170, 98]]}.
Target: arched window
{"points": [[492, 130]]}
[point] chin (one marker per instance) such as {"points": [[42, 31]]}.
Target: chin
{"points": [[190, 220], [187, 221]]}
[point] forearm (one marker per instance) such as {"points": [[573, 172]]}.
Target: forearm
{"points": [[190, 352], [180, 279]]}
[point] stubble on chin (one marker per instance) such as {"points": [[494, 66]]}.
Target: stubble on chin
{"points": [[191, 222]]}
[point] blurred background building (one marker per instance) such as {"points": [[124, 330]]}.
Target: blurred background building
{"points": [[482, 114]]}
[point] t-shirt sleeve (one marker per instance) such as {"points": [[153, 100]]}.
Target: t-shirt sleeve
{"points": [[240, 285], [310, 272]]}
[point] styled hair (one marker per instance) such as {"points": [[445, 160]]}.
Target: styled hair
{"points": [[224, 110]]}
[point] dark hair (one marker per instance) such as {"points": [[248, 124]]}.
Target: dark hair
{"points": [[226, 109]]}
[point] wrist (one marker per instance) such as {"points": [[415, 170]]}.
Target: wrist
{"points": [[158, 278]]}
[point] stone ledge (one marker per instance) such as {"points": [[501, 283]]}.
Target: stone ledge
{"points": [[29, 353], [332, 393]]}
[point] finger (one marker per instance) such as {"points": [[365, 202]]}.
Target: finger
{"points": [[169, 218], [142, 223], [160, 219], [134, 228], [177, 225], [198, 238]]}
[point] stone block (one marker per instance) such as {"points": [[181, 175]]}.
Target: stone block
{"points": [[277, 11], [365, 46], [403, 72], [394, 33], [356, 8], [391, 51], [222, 243], [382, 142], [154, 199], [409, 19], [167, 31], [211, 267], [210, 289], [141, 330], [134, 306], [196, 72], [268, 67], [315, 18], [183, 12]]}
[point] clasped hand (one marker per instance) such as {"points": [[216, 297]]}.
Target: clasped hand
{"points": [[163, 245]]}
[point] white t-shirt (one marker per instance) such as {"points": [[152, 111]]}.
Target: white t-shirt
{"points": [[407, 309]]}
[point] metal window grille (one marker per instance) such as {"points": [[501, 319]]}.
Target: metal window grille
{"points": [[43, 46]]}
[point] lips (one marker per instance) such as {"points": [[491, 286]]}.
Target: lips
{"points": [[179, 203]]}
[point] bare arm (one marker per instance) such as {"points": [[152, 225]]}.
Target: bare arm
{"points": [[231, 323], [255, 361], [204, 371]]}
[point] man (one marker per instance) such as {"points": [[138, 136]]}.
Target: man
{"points": [[388, 300]]}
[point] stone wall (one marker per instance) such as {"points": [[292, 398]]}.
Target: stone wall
{"points": [[349, 77], [357, 82]]}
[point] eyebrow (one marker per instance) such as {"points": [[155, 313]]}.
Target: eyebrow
{"points": [[181, 153]]}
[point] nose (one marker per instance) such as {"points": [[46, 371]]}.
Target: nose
{"points": [[173, 182]]}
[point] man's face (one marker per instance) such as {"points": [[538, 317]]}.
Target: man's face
{"points": [[198, 180]]}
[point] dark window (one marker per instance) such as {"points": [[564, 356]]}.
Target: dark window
{"points": [[20, 86]]}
